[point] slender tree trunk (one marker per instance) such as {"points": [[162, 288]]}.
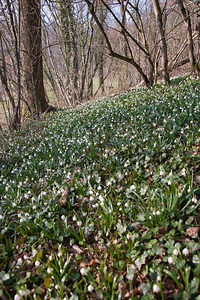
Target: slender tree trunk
{"points": [[164, 55], [32, 56], [187, 22]]}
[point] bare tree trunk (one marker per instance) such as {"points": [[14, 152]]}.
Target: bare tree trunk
{"points": [[112, 53], [100, 54], [69, 34], [164, 55], [187, 22], [32, 56]]}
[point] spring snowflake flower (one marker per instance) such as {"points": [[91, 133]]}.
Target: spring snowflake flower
{"points": [[49, 270], [24, 293], [170, 260], [83, 271], [79, 223], [158, 278], [185, 251], [17, 297], [175, 252], [194, 200], [101, 199], [183, 172], [128, 236], [90, 288], [156, 288], [37, 263]]}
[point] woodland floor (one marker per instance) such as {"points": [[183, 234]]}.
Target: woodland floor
{"points": [[102, 201]]}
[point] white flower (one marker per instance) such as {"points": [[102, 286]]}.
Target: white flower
{"points": [[128, 236], [185, 251], [79, 223], [17, 297], [24, 293], [49, 270], [90, 288], [74, 218], [183, 173], [156, 288], [175, 252], [37, 263], [170, 260], [132, 187], [83, 271], [6, 277], [158, 213], [158, 278], [194, 200], [101, 198], [1, 217]]}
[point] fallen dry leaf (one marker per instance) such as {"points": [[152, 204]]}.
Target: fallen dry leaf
{"points": [[122, 287], [91, 262], [192, 231], [63, 198], [77, 249], [84, 262], [197, 179]]}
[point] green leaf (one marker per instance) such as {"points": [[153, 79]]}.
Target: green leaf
{"points": [[157, 250], [174, 276], [121, 264], [169, 244], [131, 272], [145, 288], [194, 285], [75, 276]]}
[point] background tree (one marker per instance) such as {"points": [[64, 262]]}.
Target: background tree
{"points": [[70, 51], [163, 48], [31, 47], [187, 21]]}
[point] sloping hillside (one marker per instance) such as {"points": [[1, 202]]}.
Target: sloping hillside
{"points": [[102, 202]]}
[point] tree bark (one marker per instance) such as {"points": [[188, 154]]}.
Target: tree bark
{"points": [[187, 22], [164, 55], [31, 44]]}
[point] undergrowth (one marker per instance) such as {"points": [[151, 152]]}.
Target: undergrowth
{"points": [[103, 202]]}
